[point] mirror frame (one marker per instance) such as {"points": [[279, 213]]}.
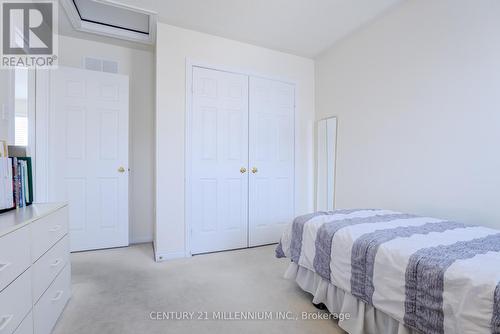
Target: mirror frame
{"points": [[326, 158]]}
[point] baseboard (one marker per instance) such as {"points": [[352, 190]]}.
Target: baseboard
{"points": [[165, 256]]}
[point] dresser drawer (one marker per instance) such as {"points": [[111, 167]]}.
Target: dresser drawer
{"points": [[47, 230], [15, 303], [48, 309], [26, 326], [14, 255], [49, 266]]}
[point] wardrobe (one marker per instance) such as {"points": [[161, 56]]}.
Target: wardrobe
{"points": [[239, 160]]}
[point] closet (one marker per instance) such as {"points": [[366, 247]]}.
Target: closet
{"points": [[239, 160]]}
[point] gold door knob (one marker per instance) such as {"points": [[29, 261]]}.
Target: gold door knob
{"points": [[243, 170], [254, 170], [121, 169]]}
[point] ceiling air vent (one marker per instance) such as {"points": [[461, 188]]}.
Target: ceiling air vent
{"points": [[108, 18]]}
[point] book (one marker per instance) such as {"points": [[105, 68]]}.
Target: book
{"points": [[27, 178], [15, 183], [20, 171], [26, 188], [6, 193], [3, 195], [8, 185]]}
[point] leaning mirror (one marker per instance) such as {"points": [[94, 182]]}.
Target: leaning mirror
{"points": [[17, 107], [325, 164]]}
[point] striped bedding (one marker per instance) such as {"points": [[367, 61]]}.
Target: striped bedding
{"points": [[433, 275]]}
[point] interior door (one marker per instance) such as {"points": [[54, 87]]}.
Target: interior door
{"points": [[271, 142], [88, 154], [219, 161]]}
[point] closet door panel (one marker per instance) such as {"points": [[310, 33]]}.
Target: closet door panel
{"points": [[219, 149], [271, 159]]}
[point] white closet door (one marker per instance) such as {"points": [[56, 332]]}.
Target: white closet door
{"points": [[219, 159], [271, 142], [88, 155]]}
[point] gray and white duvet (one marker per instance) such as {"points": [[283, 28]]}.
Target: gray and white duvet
{"points": [[433, 275]]}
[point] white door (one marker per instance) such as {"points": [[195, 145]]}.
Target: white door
{"points": [[88, 154], [271, 142], [219, 161]]}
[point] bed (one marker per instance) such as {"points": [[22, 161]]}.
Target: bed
{"points": [[397, 273]]}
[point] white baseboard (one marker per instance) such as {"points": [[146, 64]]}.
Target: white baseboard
{"points": [[165, 256]]}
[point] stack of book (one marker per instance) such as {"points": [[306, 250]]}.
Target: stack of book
{"points": [[16, 183]]}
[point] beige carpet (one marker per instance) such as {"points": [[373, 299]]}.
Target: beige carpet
{"points": [[115, 291]]}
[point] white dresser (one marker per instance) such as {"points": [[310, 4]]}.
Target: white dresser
{"points": [[35, 271]]}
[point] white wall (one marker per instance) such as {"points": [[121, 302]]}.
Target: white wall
{"points": [[139, 65], [417, 95], [174, 45]]}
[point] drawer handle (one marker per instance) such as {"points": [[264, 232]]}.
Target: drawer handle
{"points": [[58, 296], [55, 228], [56, 263], [3, 266], [5, 321]]}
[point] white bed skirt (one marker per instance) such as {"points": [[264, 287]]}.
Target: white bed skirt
{"points": [[363, 318]]}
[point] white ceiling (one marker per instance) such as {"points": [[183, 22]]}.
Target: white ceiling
{"points": [[301, 27]]}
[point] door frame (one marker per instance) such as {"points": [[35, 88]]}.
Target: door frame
{"points": [[190, 63]]}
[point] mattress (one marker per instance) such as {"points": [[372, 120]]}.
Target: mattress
{"points": [[430, 275]]}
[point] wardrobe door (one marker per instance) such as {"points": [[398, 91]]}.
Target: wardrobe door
{"points": [[218, 209], [271, 159]]}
